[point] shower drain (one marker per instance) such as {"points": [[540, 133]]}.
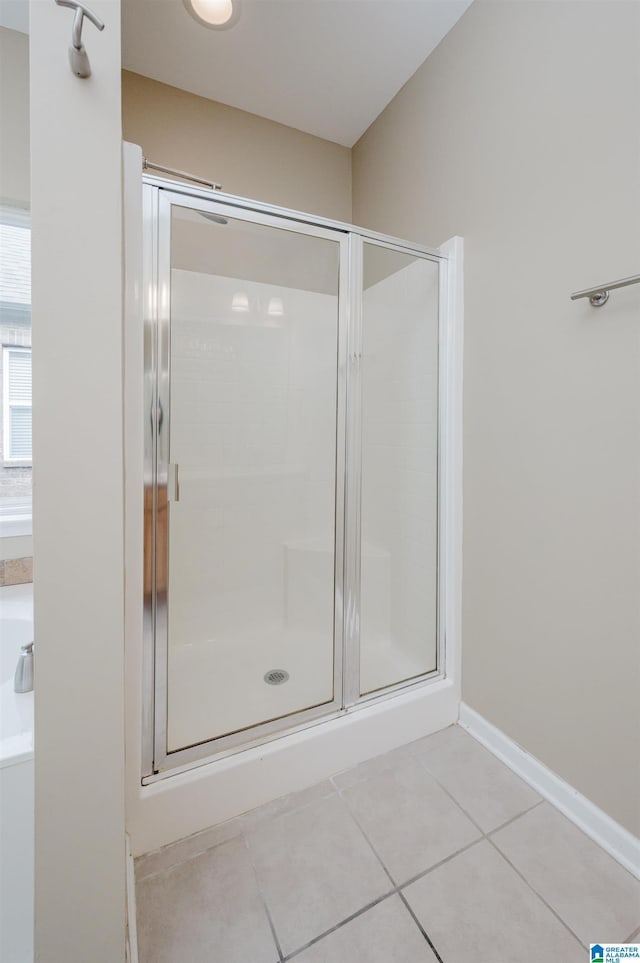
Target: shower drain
{"points": [[276, 676]]}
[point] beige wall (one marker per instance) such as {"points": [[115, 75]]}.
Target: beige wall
{"points": [[14, 118], [249, 155], [520, 132]]}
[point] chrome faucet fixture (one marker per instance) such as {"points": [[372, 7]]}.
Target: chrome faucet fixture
{"points": [[23, 679]]}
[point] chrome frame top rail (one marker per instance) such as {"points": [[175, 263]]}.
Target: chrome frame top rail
{"points": [[220, 197], [147, 165], [599, 295]]}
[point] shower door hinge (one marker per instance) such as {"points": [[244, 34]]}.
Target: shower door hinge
{"points": [[173, 484]]}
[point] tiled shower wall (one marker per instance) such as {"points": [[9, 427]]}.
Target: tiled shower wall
{"points": [[253, 430], [253, 420]]}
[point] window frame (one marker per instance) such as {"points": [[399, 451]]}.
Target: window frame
{"points": [[15, 511], [8, 406]]}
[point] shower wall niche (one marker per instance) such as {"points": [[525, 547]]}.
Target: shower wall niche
{"points": [[292, 496]]}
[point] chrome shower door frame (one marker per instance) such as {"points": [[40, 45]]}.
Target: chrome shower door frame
{"points": [[158, 197], [157, 206], [353, 698]]}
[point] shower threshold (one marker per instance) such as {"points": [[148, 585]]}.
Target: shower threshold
{"points": [[218, 686]]}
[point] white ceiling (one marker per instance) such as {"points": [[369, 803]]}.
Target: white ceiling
{"points": [[328, 67]]}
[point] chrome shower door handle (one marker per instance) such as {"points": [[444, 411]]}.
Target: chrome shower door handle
{"points": [[173, 487]]}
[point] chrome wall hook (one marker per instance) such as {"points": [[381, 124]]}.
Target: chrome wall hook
{"points": [[78, 57]]}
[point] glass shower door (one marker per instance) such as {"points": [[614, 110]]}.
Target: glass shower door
{"points": [[250, 346], [399, 545]]}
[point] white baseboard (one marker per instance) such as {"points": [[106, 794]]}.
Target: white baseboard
{"points": [[614, 838], [132, 923]]}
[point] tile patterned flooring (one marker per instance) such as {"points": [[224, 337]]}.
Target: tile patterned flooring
{"points": [[433, 852]]}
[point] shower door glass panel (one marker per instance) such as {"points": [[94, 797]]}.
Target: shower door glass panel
{"points": [[252, 430], [399, 499]]}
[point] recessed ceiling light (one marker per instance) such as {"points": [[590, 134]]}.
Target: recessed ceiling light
{"points": [[216, 14]]}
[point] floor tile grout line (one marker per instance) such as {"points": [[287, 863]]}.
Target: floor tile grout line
{"points": [[416, 756], [407, 753], [535, 892], [368, 841], [188, 859], [488, 836], [488, 833], [276, 817], [273, 930], [272, 927], [442, 862], [430, 869], [420, 926], [263, 900], [402, 752], [241, 832], [396, 891], [485, 836], [397, 887], [338, 926], [375, 772], [525, 812], [185, 839], [450, 795]]}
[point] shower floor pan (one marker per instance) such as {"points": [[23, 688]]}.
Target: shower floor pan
{"points": [[217, 686]]}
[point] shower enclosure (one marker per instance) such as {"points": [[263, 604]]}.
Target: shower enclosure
{"points": [[293, 466]]}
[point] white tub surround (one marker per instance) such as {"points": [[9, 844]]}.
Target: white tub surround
{"points": [[16, 781], [16, 546], [16, 709], [15, 518]]}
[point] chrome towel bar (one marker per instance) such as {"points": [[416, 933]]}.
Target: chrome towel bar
{"points": [[600, 294]]}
